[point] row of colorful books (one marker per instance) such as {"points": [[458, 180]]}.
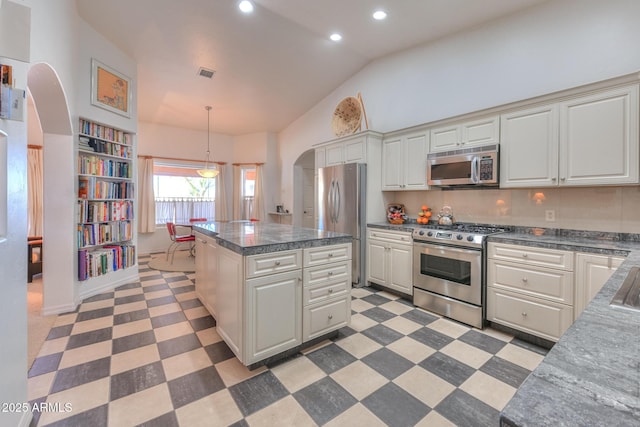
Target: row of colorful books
{"points": [[116, 210], [91, 188], [105, 260], [104, 233], [105, 147], [104, 132], [93, 165]]}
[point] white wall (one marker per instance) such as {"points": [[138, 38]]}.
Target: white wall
{"points": [[554, 46]]}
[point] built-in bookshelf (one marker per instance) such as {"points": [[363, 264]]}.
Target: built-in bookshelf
{"points": [[105, 210]]}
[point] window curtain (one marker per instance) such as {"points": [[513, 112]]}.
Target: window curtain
{"points": [[146, 197], [221, 195], [180, 210], [237, 192], [35, 183], [258, 199]]}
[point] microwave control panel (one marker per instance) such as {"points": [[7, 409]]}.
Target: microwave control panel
{"points": [[486, 168]]}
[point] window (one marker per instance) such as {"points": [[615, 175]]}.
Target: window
{"points": [[181, 194], [247, 191]]}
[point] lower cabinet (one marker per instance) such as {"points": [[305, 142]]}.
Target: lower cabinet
{"points": [[592, 272], [390, 259], [206, 271]]}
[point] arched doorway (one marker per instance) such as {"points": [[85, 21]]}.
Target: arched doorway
{"points": [[58, 185], [304, 201]]}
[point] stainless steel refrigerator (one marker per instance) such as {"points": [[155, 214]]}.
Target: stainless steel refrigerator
{"points": [[341, 207]]}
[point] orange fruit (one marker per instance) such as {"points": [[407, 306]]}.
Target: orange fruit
{"points": [[424, 207], [427, 214]]}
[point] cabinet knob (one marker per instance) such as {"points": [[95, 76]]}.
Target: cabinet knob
{"points": [[524, 314], [524, 279], [277, 263], [554, 179], [330, 273], [563, 179], [330, 316], [330, 255], [330, 290], [525, 255]]}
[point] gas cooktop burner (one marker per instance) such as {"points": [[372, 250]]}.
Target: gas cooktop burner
{"points": [[457, 234]]}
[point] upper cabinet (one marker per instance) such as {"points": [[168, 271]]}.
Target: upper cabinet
{"points": [[485, 131], [349, 149], [404, 161], [588, 140]]}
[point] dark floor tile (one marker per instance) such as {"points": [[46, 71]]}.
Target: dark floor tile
{"points": [[155, 288], [484, 342], [176, 278], [151, 277], [324, 400], [192, 303], [36, 414], [395, 407], [178, 345], [505, 371], [93, 417], [168, 319], [433, 339], [60, 331], [241, 423], [331, 358], [463, 409], [529, 346], [128, 286], [420, 316], [183, 289], [219, 352], [387, 363], [375, 299], [202, 323], [129, 299], [378, 314], [382, 334], [99, 297], [343, 333], [257, 392], [160, 301], [194, 386], [447, 368], [135, 380], [131, 316], [90, 337], [130, 342], [81, 374], [94, 314], [167, 420], [45, 364]]}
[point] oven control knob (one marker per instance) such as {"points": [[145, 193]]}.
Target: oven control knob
{"points": [[430, 233], [459, 237], [421, 232], [470, 238]]}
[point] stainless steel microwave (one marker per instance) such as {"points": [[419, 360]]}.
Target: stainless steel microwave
{"points": [[471, 166]]}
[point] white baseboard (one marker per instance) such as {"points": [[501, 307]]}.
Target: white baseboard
{"points": [[59, 309], [106, 287], [26, 418]]}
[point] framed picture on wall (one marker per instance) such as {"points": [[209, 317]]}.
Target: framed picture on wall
{"points": [[110, 89]]}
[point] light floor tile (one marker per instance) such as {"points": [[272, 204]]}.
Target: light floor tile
{"points": [[128, 292], [197, 312], [39, 386], [466, 353], [360, 322], [356, 416], [359, 306], [208, 336], [65, 319], [502, 336], [216, 410], [520, 356], [92, 325], [396, 307], [434, 419], [172, 274], [233, 372], [158, 294], [488, 389], [173, 331], [180, 283], [360, 292], [284, 412], [131, 328], [95, 305], [297, 373], [185, 363], [186, 296], [140, 407], [359, 379], [164, 309], [411, 349], [358, 345], [388, 295], [153, 282], [402, 325], [129, 307], [87, 353], [424, 386], [148, 273], [81, 398], [447, 327], [135, 358], [53, 346]]}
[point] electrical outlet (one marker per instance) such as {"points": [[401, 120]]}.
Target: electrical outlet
{"points": [[550, 215]]}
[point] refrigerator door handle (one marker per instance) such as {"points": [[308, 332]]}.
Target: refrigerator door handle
{"points": [[330, 201], [337, 205]]}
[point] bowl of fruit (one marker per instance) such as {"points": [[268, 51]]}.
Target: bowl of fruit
{"points": [[424, 215], [396, 214]]}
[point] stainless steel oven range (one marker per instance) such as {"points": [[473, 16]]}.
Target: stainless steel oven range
{"points": [[449, 276]]}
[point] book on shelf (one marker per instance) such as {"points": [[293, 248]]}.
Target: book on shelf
{"points": [[107, 259]]}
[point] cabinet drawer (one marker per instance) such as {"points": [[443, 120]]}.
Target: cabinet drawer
{"points": [[326, 273], [553, 258], [319, 319], [532, 315], [548, 283], [274, 262], [325, 254], [389, 236]]}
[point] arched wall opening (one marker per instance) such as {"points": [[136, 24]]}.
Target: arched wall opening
{"points": [[304, 201]]}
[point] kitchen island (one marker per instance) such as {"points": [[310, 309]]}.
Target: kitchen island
{"points": [[272, 288]]}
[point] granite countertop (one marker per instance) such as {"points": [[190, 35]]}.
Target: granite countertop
{"points": [[250, 238]]}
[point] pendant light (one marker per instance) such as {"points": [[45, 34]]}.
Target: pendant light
{"points": [[208, 172]]}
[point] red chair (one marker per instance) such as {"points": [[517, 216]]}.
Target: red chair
{"points": [[197, 220], [176, 240]]}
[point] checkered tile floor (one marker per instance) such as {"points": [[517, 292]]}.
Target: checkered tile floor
{"points": [[148, 354]]}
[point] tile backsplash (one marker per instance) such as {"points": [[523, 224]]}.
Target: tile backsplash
{"points": [[615, 209]]}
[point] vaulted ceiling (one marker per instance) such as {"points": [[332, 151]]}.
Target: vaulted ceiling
{"points": [[271, 65]]}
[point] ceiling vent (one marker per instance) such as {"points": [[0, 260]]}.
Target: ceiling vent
{"points": [[205, 72]]}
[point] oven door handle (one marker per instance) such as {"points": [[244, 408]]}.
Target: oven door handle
{"points": [[446, 248]]}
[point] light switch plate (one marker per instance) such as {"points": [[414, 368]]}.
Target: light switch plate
{"points": [[550, 215]]}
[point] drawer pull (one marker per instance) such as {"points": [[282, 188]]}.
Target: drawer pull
{"points": [[330, 290], [277, 262], [525, 255], [525, 280], [330, 273], [330, 254], [330, 316], [524, 314]]}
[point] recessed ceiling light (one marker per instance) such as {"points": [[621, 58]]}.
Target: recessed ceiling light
{"points": [[379, 15], [245, 6], [335, 37]]}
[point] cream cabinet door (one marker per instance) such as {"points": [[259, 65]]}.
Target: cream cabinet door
{"points": [[392, 173], [592, 272], [484, 131], [416, 148], [376, 262], [321, 157], [230, 289], [355, 151], [400, 261], [334, 154], [211, 277], [445, 138], [529, 147]]}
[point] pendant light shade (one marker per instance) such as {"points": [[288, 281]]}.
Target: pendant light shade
{"points": [[208, 172]]}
